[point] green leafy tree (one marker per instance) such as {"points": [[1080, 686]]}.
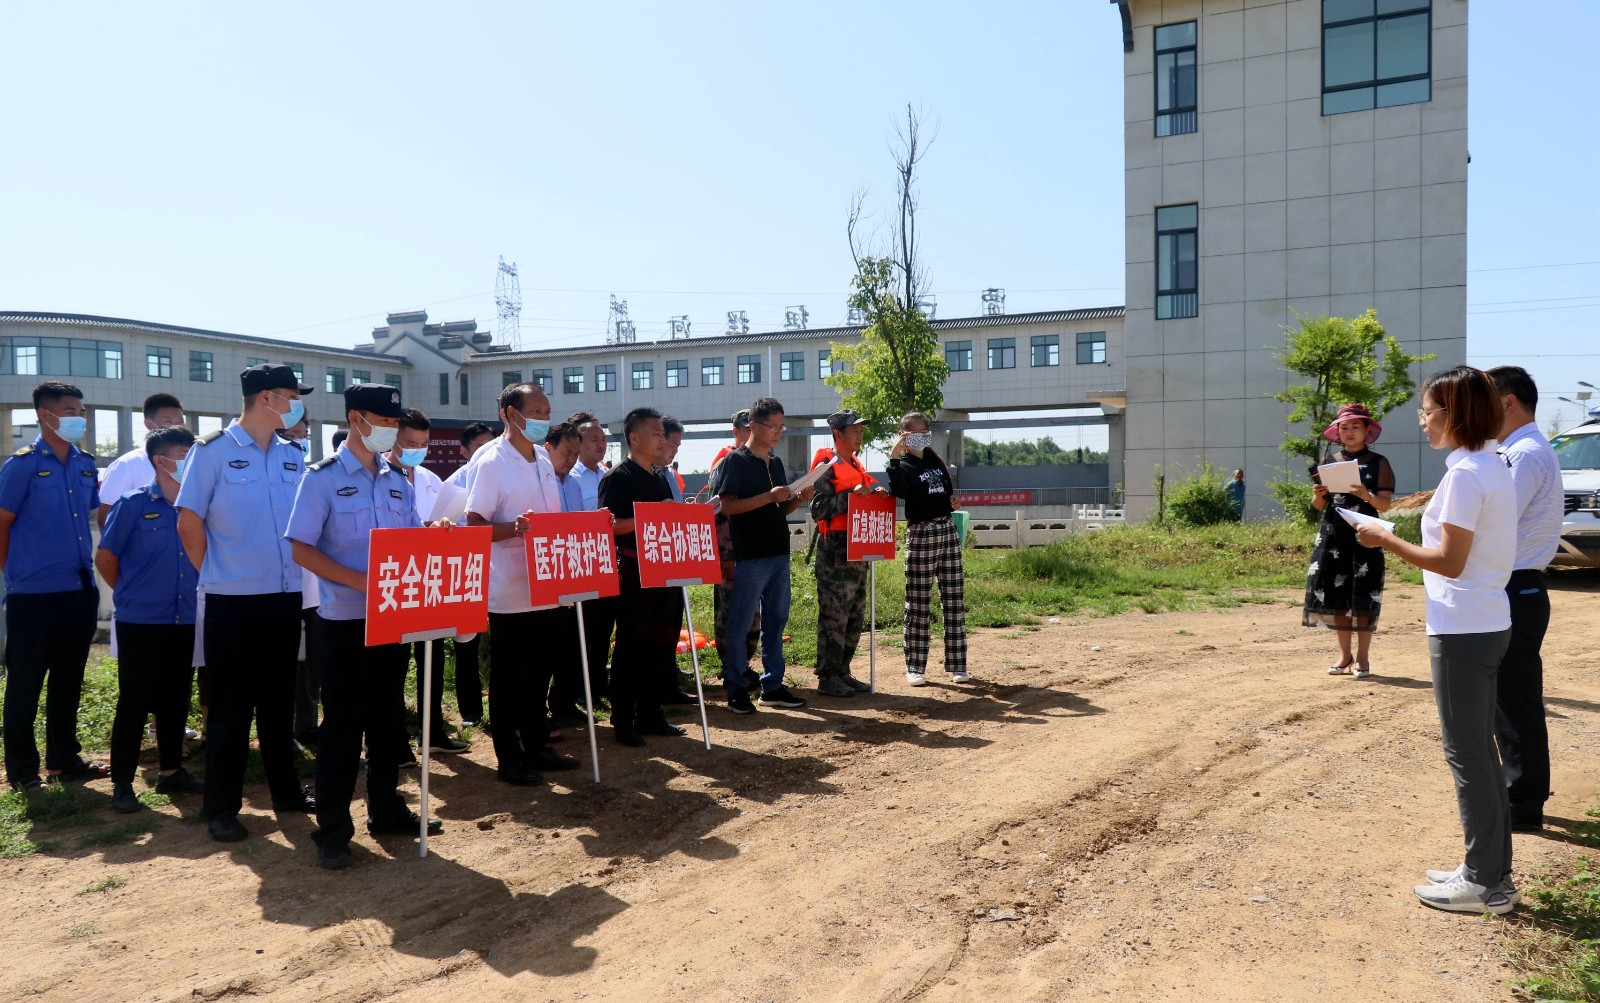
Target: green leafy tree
{"points": [[897, 365], [1341, 359]]}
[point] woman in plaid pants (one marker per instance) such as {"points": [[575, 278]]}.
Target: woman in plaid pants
{"points": [[933, 549]]}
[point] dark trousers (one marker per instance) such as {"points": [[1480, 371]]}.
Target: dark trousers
{"points": [[251, 643], [599, 620], [566, 662], [307, 677], [1519, 723], [153, 677], [1464, 670], [47, 635], [519, 678], [644, 670], [469, 683], [361, 687], [417, 654]]}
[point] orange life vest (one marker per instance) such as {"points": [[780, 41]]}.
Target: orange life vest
{"points": [[847, 473]]}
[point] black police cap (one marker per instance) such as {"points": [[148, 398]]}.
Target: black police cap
{"points": [[267, 376], [374, 398]]}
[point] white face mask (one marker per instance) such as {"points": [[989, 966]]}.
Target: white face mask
{"points": [[919, 441], [379, 438]]}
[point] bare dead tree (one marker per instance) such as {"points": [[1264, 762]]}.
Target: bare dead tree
{"points": [[907, 151]]}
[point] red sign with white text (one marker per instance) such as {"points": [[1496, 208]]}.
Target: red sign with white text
{"points": [[571, 557], [995, 498], [677, 544], [423, 580], [871, 535]]}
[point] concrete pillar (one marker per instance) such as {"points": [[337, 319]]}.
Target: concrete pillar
{"points": [[90, 442], [794, 449], [7, 433], [951, 443], [1117, 451]]}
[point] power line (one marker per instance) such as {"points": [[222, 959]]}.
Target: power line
{"points": [[1518, 268]]}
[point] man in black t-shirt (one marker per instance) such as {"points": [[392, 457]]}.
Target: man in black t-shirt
{"points": [[756, 498], [644, 665]]}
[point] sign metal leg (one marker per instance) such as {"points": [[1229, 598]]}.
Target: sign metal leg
{"points": [[427, 740], [588, 693], [694, 658], [872, 636]]}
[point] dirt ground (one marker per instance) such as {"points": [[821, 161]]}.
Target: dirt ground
{"points": [[1169, 807]]}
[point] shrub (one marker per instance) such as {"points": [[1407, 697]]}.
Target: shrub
{"points": [[1295, 498], [1199, 499]]}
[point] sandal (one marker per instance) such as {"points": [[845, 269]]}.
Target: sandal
{"points": [[1362, 671], [1342, 669]]}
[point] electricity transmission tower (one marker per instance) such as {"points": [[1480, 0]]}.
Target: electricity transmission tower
{"points": [[508, 304]]}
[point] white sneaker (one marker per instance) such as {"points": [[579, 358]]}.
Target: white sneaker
{"points": [[1461, 895], [916, 679], [1443, 877], [960, 677]]}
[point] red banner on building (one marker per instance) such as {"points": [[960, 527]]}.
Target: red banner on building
{"points": [[677, 544], [995, 497], [571, 557], [871, 528], [427, 580]]}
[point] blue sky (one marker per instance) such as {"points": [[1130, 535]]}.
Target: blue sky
{"points": [[295, 171]]}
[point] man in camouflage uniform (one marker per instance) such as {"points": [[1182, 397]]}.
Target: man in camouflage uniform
{"points": [[719, 596], [841, 584]]}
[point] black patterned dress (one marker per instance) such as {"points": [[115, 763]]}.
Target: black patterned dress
{"points": [[1344, 585]]}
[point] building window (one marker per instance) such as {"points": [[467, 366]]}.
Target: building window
{"points": [[677, 373], [1175, 79], [360, 376], [461, 387], [1177, 270], [110, 360], [545, 379], [299, 370], [333, 380], [32, 356], [1002, 353], [1375, 54], [200, 367], [444, 388], [1046, 349], [792, 366], [251, 360], [158, 362], [749, 369], [605, 378], [395, 380], [958, 356], [26, 360], [824, 363], [572, 380], [1091, 347], [510, 377], [644, 375], [711, 372]]}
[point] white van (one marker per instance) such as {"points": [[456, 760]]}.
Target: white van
{"points": [[1578, 449]]}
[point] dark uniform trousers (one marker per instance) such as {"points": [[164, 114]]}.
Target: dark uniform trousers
{"points": [[47, 634], [1519, 713], [153, 676], [469, 681], [644, 671], [520, 662], [599, 620], [251, 644], [361, 687], [307, 684], [841, 604]]}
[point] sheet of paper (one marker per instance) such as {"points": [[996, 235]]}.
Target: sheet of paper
{"points": [[1357, 519], [1340, 478], [814, 475], [451, 504]]}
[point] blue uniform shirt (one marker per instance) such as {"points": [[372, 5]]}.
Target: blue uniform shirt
{"points": [[338, 505], [156, 580], [54, 503], [572, 493], [244, 494]]}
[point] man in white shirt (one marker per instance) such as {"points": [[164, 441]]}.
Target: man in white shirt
{"points": [[591, 457], [132, 470], [473, 438], [512, 479], [1519, 713]]}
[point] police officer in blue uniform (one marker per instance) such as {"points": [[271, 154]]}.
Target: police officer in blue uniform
{"points": [[342, 499], [48, 495], [233, 511]]}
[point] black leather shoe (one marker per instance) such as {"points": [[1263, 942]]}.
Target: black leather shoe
{"points": [[519, 776], [549, 759], [124, 800], [1527, 819], [82, 769], [334, 858], [226, 829], [403, 825], [307, 802], [660, 726], [627, 736], [180, 781]]}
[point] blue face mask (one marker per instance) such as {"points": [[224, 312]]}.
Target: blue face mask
{"points": [[72, 427], [297, 410], [413, 457], [533, 429], [300, 444], [183, 467]]}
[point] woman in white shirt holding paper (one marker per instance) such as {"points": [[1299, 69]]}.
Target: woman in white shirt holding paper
{"points": [[1344, 585], [1469, 544]]}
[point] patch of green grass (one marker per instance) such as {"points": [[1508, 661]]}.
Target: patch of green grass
{"points": [[80, 931], [105, 884], [1557, 950], [151, 798]]}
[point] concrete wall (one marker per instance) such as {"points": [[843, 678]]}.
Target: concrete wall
{"points": [[1298, 212]]}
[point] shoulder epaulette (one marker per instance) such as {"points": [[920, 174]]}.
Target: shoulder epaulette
{"points": [[25, 450], [326, 461], [212, 436]]}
